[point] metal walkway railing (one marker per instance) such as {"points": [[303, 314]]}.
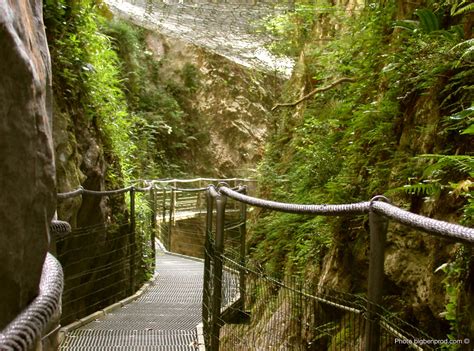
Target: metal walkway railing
{"points": [[25, 330], [235, 293], [328, 319]]}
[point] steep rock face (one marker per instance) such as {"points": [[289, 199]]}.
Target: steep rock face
{"points": [[27, 177], [233, 100]]}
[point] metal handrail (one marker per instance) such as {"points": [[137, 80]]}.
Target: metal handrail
{"points": [[25, 330], [429, 225]]}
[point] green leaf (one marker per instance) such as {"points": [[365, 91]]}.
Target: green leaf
{"points": [[429, 22], [406, 24], [462, 8], [469, 130]]}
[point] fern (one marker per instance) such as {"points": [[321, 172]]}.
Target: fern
{"points": [[463, 164], [425, 189], [406, 24], [429, 22], [468, 47], [462, 8]]}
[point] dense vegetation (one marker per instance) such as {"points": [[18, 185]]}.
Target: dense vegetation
{"points": [[401, 126], [104, 73]]}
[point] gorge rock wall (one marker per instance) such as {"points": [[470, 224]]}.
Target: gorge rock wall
{"points": [[27, 177], [232, 100]]}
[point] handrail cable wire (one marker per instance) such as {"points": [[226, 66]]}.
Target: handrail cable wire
{"points": [[434, 226]]}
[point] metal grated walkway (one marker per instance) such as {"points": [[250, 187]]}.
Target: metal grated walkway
{"points": [[164, 318]]}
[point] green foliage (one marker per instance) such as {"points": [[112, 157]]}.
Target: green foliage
{"points": [[456, 272], [292, 28], [143, 230], [163, 128], [411, 97], [104, 70], [86, 75], [459, 7], [191, 77], [428, 22]]}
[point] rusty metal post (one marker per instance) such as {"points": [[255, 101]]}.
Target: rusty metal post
{"points": [[175, 201], [217, 273], [378, 237], [171, 214], [163, 229], [132, 240]]}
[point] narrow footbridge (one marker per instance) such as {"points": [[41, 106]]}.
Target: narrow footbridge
{"points": [[122, 291]]}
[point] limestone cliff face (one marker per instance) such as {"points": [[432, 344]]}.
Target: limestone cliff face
{"points": [[233, 101], [27, 175], [223, 100]]}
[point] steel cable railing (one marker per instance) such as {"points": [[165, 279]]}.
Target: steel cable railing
{"points": [[232, 289], [429, 225], [226, 273], [25, 330], [327, 210]]}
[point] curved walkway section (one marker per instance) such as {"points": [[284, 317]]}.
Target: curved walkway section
{"points": [[164, 318]]}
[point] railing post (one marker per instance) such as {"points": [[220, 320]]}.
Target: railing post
{"points": [[132, 240], [217, 273], [171, 214], [378, 236], [163, 218], [153, 221], [175, 198], [243, 233], [208, 254], [198, 200]]}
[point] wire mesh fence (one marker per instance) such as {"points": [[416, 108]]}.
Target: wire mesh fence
{"points": [[107, 261], [182, 210], [244, 309], [293, 314], [210, 24]]}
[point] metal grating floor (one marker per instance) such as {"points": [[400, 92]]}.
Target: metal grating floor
{"points": [[162, 319]]}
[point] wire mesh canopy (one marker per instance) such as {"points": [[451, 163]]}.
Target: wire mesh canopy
{"points": [[228, 28]]}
